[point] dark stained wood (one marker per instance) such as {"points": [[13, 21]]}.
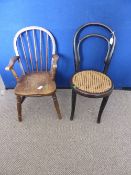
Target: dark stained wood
{"points": [[35, 84], [10, 66], [73, 104], [88, 86], [93, 95], [34, 81], [12, 62], [103, 104], [54, 66], [56, 104], [23, 99], [19, 108], [78, 40]]}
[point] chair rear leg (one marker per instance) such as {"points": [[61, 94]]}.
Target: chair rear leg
{"points": [[19, 108], [56, 104], [73, 104], [103, 104]]}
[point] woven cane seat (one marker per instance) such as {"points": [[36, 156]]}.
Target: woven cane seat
{"points": [[92, 82]]}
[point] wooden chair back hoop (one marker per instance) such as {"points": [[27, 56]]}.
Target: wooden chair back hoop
{"points": [[77, 42], [30, 60]]}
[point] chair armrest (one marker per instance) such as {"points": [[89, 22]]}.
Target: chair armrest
{"points": [[12, 62], [10, 66], [55, 58]]}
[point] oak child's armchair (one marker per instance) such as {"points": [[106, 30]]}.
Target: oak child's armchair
{"points": [[35, 50]]}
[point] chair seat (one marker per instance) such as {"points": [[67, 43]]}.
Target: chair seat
{"points": [[92, 82], [37, 84]]}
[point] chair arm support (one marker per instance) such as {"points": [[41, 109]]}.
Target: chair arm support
{"points": [[10, 66], [55, 58], [12, 62]]}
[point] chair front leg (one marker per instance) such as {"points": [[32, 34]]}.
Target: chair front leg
{"points": [[19, 108], [73, 104], [103, 104], [56, 104]]}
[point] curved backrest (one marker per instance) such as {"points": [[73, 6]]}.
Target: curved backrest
{"points": [[110, 43], [35, 46]]}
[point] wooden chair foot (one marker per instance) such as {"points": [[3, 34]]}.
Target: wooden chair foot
{"points": [[19, 108], [103, 104], [20, 118], [73, 104], [56, 104]]}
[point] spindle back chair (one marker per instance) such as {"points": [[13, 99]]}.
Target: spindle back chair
{"points": [[92, 83], [30, 42], [35, 50]]}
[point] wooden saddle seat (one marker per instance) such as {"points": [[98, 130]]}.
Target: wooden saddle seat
{"points": [[35, 84], [35, 50], [92, 82]]}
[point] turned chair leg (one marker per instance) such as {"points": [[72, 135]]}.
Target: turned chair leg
{"points": [[73, 104], [56, 104], [19, 108], [103, 104]]}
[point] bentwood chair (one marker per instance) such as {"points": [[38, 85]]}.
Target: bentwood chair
{"points": [[92, 83], [35, 50]]}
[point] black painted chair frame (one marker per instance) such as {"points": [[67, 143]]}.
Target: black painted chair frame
{"points": [[111, 45]]}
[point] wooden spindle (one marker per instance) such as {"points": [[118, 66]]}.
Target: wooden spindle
{"points": [[21, 66], [23, 48], [27, 39], [41, 49], [47, 37], [36, 58]]}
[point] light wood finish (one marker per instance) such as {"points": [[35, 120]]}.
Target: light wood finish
{"points": [[47, 40], [10, 66], [41, 62], [36, 58], [32, 44], [15, 74], [12, 62], [35, 84], [92, 81], [29, 49], [24, 52]]}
